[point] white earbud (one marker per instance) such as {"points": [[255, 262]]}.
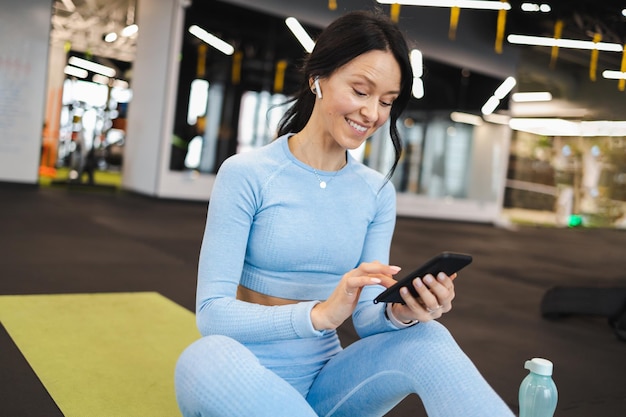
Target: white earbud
{"points": [[318, 90]]}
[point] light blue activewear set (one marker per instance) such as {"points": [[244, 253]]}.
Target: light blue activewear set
{"points": [[272, 228]]}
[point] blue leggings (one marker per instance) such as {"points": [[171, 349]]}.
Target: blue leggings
{"points": [[218, 376]]}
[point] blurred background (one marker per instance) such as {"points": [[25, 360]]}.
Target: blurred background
{"points": [[517, 114]]}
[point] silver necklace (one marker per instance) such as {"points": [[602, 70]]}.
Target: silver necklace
{"points": [[323, 183]]}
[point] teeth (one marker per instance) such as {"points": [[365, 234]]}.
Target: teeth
{"points": [[356, 126]]}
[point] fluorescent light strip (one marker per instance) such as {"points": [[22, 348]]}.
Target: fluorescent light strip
{"points": [[501, 92], [534, 7], [500, 119], [418, 88], [100, 79], [463, 4], [505, 88], [130, 30], [110, 37], [470, 119], [531, 96], [76, 72], [564, 43], [301, 35], [490, 106], [417, 63], [561, 127], [91, 66], [212, 40], [614, 75]]}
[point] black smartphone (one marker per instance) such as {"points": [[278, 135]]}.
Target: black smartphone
{"points": [[448, 262]]}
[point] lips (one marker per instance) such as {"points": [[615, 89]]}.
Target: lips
{"points": [[356, 126]]}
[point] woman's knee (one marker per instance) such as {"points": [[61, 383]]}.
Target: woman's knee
{"points": [[212, 360], [430, 341], [210, 354]]}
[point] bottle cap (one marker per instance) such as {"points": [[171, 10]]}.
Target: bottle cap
{"points": [[539, 366]]}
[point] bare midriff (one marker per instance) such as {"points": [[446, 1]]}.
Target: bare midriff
{"points": [[250, 296]]}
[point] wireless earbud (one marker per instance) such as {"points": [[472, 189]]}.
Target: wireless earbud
{"points": [[318, 90]]}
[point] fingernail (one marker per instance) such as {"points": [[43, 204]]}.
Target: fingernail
{"points": [[404, 290], [441, 276], [428, 279], [395, 268], [417, 282], [375, 280]]}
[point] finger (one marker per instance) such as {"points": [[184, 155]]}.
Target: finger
{"points": [[416, 304], [428, 299], [373, 268], [445, 280], [354, 284], [443, 290]]}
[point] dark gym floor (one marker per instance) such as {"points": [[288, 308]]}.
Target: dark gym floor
{"points": [[58, 240]]}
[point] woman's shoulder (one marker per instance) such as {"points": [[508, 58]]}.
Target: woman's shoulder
{"points": [[256, 164], [374, 179], [256, 158]]}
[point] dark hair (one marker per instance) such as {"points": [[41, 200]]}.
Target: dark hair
{"points": [[346, 38]]}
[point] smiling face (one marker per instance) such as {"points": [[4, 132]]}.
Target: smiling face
{"points": [[357, 99]]}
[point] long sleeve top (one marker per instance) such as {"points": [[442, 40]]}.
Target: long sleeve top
{"points": [[271, 228]]}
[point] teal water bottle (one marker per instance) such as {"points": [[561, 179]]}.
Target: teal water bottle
{"points": [[537, 393]]}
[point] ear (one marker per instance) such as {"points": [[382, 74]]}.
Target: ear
{"points": [[316, 87]]}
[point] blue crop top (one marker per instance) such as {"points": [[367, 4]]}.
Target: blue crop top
{"points": [[272, 229]]}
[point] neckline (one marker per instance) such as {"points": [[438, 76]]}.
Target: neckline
{"points": [[291, 156]]}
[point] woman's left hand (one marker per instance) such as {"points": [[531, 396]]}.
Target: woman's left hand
{"points": [[435, 299]]}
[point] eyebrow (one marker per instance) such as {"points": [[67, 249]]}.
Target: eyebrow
{"points": [[371, 82]]}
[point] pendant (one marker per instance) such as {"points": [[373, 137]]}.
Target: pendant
{"points": [[322, 184]]}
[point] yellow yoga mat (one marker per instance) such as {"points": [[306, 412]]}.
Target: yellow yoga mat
{"points": [[108, 355]]}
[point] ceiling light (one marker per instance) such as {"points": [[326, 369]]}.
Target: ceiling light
{"points": [[92, 66], [298, 31], [562, 127], [417, 63], [463, 4], [531, 96], [75, 72], [490, 105], [110, 37], [212, 40], [501, 119], [100, 79], [614, 75], [530, 7], [418, 70], [545, 8], [418, 88], [505, 88], [130, 30], [501, 92], [120, 84], [534, 7], [564, 43], [470, 119]]}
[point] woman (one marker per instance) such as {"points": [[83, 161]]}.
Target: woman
{"points": [[297, 240]]}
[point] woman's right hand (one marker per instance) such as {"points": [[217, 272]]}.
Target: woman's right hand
{"points": [[330, 314]]}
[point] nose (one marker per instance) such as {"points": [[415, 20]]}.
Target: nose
{"points": [[370, 109]]}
